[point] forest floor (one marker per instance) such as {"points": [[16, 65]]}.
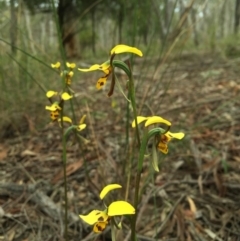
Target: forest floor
{"points": [[196, 194]]}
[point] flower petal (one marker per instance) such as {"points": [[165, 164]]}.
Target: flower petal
{"points": [[51, 93], [71, 65], [66, 96], [82, 119], [178, 135], [139, 120], [120, 208], [94, 216], [105, 66], [66, 119], [54, 115], [56, 66], [163, 147], [121, 48], [108, 188], [91, 68], [99, 227], [156, 119], [101, 82], [81, 127], [70, 74], [53, 107]]}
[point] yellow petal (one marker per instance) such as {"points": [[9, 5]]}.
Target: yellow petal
{"points": [[51, 93], [120, 208], [139, 120], [101, 82], [82, 119], [66, 96], [178, 135], [163, 147], [99, 227], [54, 115], [121, 48], [66, 119], [157, 119], [56, 66], [94, 216], [108, 188], [70, 74], [81, 127], [71, 65], [53, 107], [105, 66]]}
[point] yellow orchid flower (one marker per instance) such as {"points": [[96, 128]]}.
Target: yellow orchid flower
{"points": [[100, 219], [81, 124], [71, 65], [51, 93], [54, 110], [56, 66], [165, 138], [56, 106], [150, 120], [122, 48], [106, 67], [68, 74]]}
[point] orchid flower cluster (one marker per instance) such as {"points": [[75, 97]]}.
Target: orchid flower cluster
{"points": [[58, 99], [155, 127]]}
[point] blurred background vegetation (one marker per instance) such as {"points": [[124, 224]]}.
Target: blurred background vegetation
{"points": [[189, 74], [29, 40]]}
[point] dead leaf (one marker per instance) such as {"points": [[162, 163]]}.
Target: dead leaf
{"points": [[192, 205], [71, 168], [28, 153], [3, 152]]}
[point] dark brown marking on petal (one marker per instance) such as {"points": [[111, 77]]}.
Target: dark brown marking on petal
{"points": [[99, 228], [100, 219]]}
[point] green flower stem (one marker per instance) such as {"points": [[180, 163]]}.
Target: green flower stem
{"points": [[147, 135], [64, 157], [127, 70], [64, 143], [142, 145], [139, 170], [113, 230], [137, 183]]}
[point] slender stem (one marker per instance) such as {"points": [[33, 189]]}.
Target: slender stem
{"points": [[133, 101], [137, 183], [65, 185], [64, 159], [138, 177]]}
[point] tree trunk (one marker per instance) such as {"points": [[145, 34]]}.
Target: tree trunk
{"points": [[194, 27], [222, 18], [66, 17], [237, 16]]}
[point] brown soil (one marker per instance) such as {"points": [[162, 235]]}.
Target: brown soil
{"points": [[195, 196]]}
